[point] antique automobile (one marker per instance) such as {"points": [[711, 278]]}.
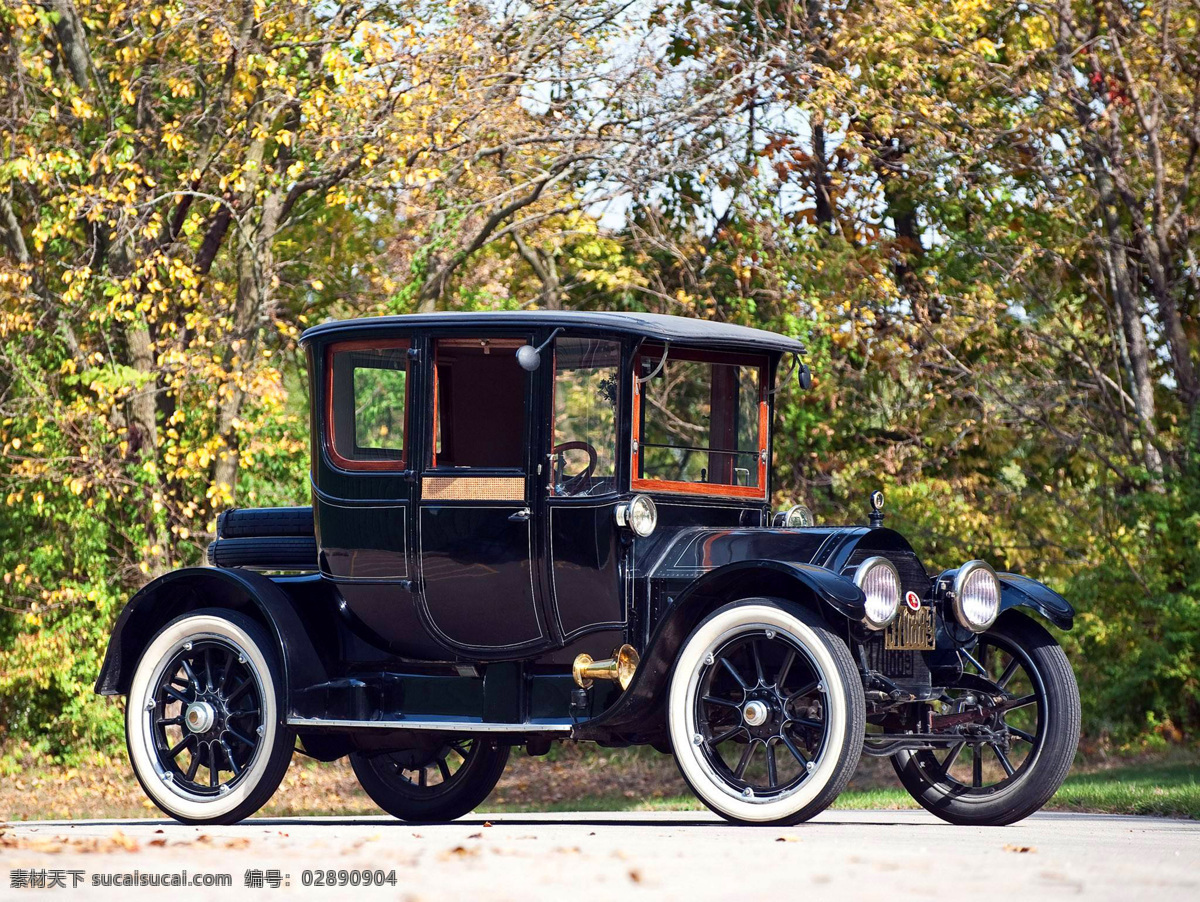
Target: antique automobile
{"points": [[538, 526]]}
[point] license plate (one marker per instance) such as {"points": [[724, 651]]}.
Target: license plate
{"points": [[911, 630]]}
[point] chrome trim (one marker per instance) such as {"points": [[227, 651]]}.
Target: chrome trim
{"points": [[960, 580], [446, 726]]}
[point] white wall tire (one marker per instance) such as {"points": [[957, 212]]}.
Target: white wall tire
{"points": [[230, 760], [765, 632]]}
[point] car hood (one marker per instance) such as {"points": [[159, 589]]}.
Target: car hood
{"points": [[694, 552]]}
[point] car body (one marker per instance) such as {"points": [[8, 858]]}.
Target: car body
{"points": [[519, 522]]}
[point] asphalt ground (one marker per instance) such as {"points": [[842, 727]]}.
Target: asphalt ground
{"points": [[613, 857]]}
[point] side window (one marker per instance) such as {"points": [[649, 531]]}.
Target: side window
{"points": [[479, 404], [368, 405], [701, 424], [586, 388]]}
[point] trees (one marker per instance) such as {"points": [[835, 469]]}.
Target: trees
{"points": [[983, 218]]}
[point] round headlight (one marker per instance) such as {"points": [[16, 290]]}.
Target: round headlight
{"points": [[798, 517], [880, 582], [639, 514], [976, 596]]}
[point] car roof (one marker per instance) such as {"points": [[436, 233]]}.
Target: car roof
{"points": [[654, 326]]}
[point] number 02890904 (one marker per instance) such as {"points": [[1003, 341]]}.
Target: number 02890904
{"points": [[343, 877]]}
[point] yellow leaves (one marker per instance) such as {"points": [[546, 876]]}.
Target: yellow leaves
{"points": [[81, 108], [173, 140], [986, 48]]}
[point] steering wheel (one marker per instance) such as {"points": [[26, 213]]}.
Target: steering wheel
{"points": [[573, 482]]}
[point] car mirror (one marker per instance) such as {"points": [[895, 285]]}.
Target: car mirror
{"points": [[529, 358], [804, 375]]}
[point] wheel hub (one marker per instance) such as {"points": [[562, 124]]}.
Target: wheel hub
{"points": [[199, 717], [755, 713]]}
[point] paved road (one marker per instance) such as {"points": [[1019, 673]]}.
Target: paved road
{"points": [[839, 855]]}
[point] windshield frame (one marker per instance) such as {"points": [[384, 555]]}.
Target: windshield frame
{"points": [[653, 353]]}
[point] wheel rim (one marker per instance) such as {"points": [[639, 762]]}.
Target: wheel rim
{"points": [[761, 713], [203, 718], [430, 772], [1001, 670]]}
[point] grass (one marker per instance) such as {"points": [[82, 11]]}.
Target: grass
{"points": [[1166, 789]]}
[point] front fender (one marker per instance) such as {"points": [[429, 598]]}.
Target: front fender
{"points": [[794, 585], [192, 588], [830, 588], [1018, 591]]}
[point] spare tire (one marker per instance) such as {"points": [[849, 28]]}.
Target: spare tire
{"points": [[265, 553], [248, 522]]}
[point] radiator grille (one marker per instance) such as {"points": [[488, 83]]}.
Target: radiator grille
{"points": [[907, 666]]}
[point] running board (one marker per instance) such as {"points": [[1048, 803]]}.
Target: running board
{"points": [[445, 726]]}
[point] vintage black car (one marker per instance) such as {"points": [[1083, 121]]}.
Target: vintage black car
{"points": [[530, 526]]}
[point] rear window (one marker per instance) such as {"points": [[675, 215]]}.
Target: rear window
{"points": [[368, 405]]}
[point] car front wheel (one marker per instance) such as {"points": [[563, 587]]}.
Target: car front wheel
{"points": [[766, 713], [203, 721], [1007, 766]]}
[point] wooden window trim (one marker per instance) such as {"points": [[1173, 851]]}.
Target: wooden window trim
{"points": [[654, 354], [330, 443]]}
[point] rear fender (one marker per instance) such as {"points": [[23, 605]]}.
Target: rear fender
{"points": [[795, 586], [193, 588]]}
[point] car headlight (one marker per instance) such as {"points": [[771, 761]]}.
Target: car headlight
{"points": [[796, 517], [880, 582], [638, 514], [976, 596]]}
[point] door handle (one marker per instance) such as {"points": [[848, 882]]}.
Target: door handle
{"points": [[521, 516]]}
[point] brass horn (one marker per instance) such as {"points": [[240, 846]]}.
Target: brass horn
{"points": [[619, 667]]}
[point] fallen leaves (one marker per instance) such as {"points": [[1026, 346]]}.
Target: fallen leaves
{"points": [[55, 845], [1020, 850]]}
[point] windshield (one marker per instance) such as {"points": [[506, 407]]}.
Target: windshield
{"points": [[701, 423]]}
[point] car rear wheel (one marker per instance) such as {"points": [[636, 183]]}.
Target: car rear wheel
{"points": [[440, 781], [1019, 678], [203, 722], [766, 713]]}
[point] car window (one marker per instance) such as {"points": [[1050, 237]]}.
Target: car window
{"points": [[479, 404], [368, 405], [701, 421], [586, 380]]}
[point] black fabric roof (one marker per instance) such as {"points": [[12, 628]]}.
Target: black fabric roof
{"points": [[655, 326]]}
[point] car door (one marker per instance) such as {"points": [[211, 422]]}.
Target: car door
{"points": [[586, 579], [475, 530]]}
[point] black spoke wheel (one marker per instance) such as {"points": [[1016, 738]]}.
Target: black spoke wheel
{"points": [[441, 779], [207, 719], [1013, 756], [203, 722], [761, 713], [766, 712]]}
